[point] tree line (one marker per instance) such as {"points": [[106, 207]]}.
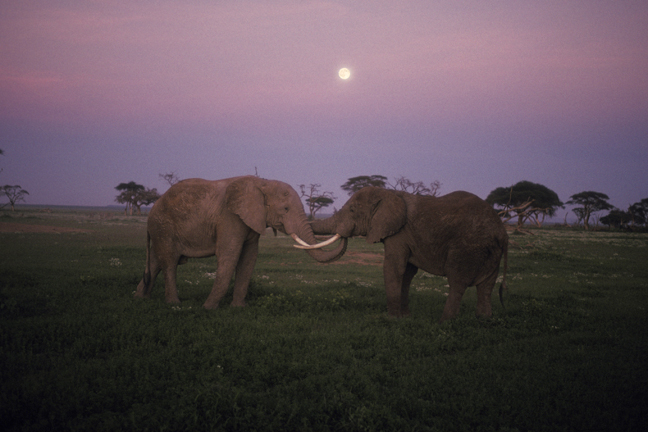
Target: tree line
{"points": [[527, 201], [532, 202]]}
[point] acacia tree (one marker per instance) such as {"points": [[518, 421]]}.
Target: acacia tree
{"points": [[639, 212], [526, 201], [416, 188], [170, 178], [14, 194], [128, 191], [590, 202], [354, 184], [136, 198], [144, 198], [126, 197], [616, 218], [314, 199], [580, 215]]}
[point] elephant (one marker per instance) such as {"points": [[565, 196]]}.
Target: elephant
{"points": [[457, 235], [198, 218]]}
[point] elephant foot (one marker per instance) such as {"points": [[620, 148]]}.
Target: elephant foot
{"points": [[405, 312], [446, 317], [394, 311], [484, 311], [210, 306], [396, 315], [174, 301], [238, 303], [142, 291]]}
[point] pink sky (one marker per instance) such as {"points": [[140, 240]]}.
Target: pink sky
{"points": [[474, 94]]}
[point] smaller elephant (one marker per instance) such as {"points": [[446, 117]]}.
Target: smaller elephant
{"points": [[198, 218], [458, 236]]}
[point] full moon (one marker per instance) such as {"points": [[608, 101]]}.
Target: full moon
{"points": [[344, 73]]}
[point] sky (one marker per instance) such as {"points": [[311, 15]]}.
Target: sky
{"points": [[476, 95]]}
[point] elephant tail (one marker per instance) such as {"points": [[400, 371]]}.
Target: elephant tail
{"points": [[147, 271], [503, 286]]}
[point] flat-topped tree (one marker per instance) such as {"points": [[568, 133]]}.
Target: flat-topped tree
{"points": [[590, 202], [526, 201], [14, 194], [354, 184]]}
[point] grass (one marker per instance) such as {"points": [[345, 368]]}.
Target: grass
{"points": [[314, 349]]}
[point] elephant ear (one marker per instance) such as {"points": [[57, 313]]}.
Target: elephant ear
{"points": [[245, 199], [389, 216]]}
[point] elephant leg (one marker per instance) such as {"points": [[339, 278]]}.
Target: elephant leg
{"points": [[484, 291], [457, 289], [145, 286], [244, 270], [410, 272], [170, 288], [144, 289], [228, 257], [394, 269]]}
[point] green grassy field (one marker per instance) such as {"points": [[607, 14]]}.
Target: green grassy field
{"points": [[314, 349]]}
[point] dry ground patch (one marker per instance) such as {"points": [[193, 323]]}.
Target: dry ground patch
{"points": [[29, 228], [361, 258]]}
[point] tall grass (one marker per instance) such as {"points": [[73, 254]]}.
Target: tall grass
{"points": [[314, 349]]}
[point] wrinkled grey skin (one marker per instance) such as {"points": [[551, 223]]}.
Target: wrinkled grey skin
{"points": [[198, 218], [458, 236]]}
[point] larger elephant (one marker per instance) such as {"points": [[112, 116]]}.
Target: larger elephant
{"points": [[198, 218], [458, 236]]}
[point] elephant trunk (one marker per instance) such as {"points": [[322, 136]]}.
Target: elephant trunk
{"points": [[324, 226], [305, 232]]}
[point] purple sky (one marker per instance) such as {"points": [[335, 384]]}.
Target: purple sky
{"points": [[473, 94]]}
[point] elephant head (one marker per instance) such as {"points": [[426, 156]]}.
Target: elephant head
{"points": [[269, 203], [371, 212]]}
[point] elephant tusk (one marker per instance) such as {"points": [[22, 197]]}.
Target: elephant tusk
{"points": [[298, 240], [303, 245]]}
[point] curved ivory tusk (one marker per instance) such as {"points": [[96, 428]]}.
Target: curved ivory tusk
{"points": [[305, 245], [298, 240]]}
